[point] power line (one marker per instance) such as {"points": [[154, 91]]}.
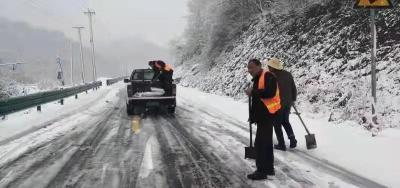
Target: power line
{"points": [[84, 4], [43, 11], [101, 23]]}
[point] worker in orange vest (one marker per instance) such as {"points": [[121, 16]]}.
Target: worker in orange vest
{"points": [[164, 73], [265, 109]]}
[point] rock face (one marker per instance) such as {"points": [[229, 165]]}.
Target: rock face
{"points": [[327, 49]]}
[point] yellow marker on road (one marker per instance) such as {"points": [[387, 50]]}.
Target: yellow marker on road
{"points": [[136, 124]]}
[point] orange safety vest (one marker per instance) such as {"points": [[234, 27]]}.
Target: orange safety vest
{"points": [[167, 67], [272, 104]]}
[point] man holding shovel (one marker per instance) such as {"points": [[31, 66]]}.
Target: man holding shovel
{"points": [[288, 93], [265, 104]]}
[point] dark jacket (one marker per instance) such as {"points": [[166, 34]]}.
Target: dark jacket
{"points": [[162, 74], [287, 88], [259, 111]]}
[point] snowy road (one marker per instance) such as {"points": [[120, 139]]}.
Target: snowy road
{"points": [[198, 147]]}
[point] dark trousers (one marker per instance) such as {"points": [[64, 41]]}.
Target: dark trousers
{"points": [[283, 120], [166, 81], [264, 147]]}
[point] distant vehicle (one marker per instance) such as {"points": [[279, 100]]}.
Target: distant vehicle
{"points": [[145, 93]]}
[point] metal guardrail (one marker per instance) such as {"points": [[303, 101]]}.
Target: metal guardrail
{"points": [[11, 105], [115, 80]]}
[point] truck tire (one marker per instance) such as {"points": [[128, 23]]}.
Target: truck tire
{"points": [[138, 110], [130, 109], [171, 110]]}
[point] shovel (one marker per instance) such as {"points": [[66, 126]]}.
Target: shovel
{"points": [[250, 152], [310, 138]]}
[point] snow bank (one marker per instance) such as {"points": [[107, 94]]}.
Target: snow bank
{"points": [[28, 120]]}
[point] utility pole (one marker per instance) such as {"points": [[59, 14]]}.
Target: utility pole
{"points": [[81, 52], [72, 64], [90, 15]]}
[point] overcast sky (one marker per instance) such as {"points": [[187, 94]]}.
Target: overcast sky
{"points": [[155, 20]]}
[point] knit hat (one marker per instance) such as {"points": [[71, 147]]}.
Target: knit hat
{"points": [[275, 63]]}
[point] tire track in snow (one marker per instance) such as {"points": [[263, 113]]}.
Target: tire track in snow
{"points": [[39, 162], [42, 156], [81, 157], [282, 178], [329, 168], [208, 163], [113, 161]]}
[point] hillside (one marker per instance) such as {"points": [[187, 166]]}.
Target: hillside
{"points": [[326, 46]]}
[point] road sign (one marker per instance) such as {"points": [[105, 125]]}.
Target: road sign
{"points": [[372, 5], [377, 4]]}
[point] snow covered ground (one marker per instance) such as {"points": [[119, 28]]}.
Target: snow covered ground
{"points": [[348, 146], [93, 143]]}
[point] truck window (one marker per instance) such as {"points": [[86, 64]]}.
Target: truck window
{"points": [[138, 76], [148, 75]]}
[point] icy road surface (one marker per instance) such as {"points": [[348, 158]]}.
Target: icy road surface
{"points": [[197, 147]]}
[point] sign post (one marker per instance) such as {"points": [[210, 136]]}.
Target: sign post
{"points": [[373, 58], [373, 5]]}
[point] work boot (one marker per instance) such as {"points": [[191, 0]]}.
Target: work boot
{"points": [[271, 173], [293, 143], [280, 147], [257, 176]]}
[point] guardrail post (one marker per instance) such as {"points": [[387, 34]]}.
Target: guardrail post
{"points": [[39, 108], [76, 96], [62, 101]]}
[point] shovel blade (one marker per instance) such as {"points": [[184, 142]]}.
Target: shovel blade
{"points": [[311, 142], [249, 153]]}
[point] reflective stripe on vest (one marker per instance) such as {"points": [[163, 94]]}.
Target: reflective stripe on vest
{"points": [[272, 104]]}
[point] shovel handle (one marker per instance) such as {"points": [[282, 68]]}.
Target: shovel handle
{"points": [[251, 136], [301, 119], [251, 128]]}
